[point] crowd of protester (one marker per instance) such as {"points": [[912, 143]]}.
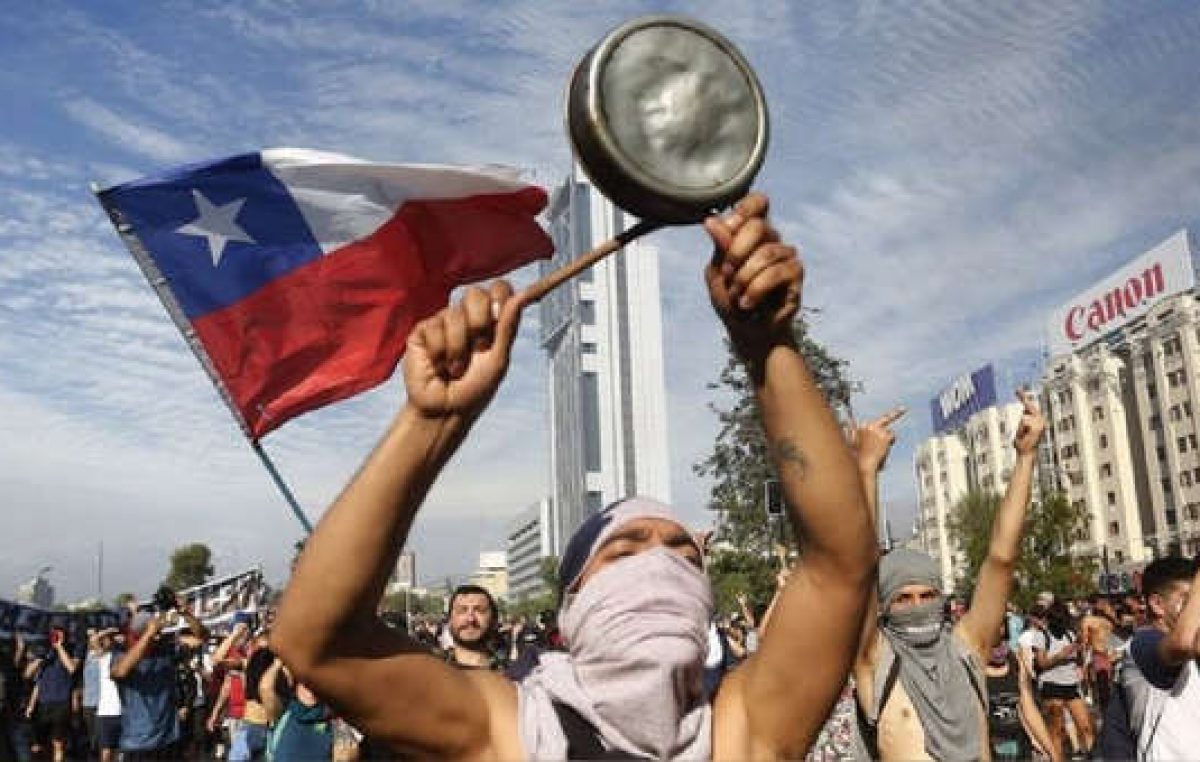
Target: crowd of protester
{"points": [[858, 654]]}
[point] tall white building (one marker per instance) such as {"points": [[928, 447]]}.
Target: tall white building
{"points": [[492, 573], [530, 539], [37, 592], [1123, 386], [602, 334], [976, 454]]}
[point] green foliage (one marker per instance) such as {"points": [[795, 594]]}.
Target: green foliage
{"points": [[191, 565], [1045, 563], [123, 600], [405, 600], [739, 467]]}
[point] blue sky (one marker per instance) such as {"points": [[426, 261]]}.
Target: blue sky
{"points": [[952, 172]]}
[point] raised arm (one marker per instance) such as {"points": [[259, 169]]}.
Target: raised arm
{"points": [[327, 633], [788, 687], [129, 660], [235, 636], [1183, 641], [871, 444], [980, 624]]}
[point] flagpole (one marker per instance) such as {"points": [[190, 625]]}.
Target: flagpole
{"points": [[159, 283], [279, 482]]}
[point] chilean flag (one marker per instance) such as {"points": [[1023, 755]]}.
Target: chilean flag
{"points": [[296, 275]]}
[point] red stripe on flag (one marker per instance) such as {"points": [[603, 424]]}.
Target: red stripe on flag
{"points": [[337, 326]]}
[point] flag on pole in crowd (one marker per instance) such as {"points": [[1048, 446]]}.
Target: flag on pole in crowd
{"points": [[296, 275]]}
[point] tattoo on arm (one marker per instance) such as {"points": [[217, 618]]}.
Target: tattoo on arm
{"points": [[789, 455]]}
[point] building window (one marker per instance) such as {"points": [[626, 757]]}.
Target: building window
{"points": [[983, 457], [1106, 470], [1174, 413], [1187, 408], [1119, 556], [1103, 441], [1112, 498], [1185, 478], [1155, 422], [1182, 442], [1172, 519], [1166, 485], [1192, 441], [589, 407], [1148, 363], [1097, 413], [1196, 475], [1161, 452], [1191, 512], [1114, 529], [1094, 385], [1151, 391], [588, 347], [587, 312]]}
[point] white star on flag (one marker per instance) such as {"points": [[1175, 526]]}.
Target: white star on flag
{"points": [[216, 223]]}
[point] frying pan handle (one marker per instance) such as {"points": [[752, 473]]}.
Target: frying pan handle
{"points": [[548, 283]]}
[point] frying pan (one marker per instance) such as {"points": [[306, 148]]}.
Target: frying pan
{"points": [[669, 122]]}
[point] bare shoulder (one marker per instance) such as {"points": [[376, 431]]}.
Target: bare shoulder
{"points": [[499, 697]]}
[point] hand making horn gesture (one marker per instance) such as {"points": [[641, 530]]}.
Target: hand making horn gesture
{"points": [[1032, 424], [871, 442]]}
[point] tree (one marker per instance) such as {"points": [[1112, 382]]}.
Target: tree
{"points": [[1046, 561], [123, 600], [740, 469], [191, 565]]}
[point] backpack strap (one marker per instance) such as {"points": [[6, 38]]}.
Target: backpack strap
{"points": [[868, 726], [583, 740]]}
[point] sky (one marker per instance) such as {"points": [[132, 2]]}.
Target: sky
{"points": [[952, 172]]}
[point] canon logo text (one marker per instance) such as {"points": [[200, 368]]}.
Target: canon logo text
{"points": [[1114, 304]]}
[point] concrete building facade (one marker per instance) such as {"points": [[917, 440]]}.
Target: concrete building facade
{"points": [[602, 334], [978, 455], [530, 540]]}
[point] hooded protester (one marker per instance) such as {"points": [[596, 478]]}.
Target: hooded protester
{"points": [[919, 679], [635, 601]]}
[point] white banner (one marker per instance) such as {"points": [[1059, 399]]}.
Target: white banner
{"points": [[1124, 296]]}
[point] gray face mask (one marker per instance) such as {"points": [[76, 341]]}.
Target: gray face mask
{"points": [[917, 626]]}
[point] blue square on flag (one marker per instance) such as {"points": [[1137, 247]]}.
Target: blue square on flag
{"points": [[219, 231]]}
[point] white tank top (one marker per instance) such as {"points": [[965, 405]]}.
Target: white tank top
{"points": [[1175, 733], [109, 704]]}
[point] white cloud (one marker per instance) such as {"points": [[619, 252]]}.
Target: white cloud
{"points": [[137, 137], [951, 173]]}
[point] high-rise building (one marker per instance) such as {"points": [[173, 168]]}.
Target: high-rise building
{"points": [[492, 573], [529, 542], [37, 592], [404, 576], [970, 450], [1123, 385], [602, 334]]}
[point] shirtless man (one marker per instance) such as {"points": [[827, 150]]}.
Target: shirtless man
{"points": [[1096, 633], [919, 681], [635, 604]]}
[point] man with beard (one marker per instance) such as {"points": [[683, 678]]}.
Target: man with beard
{"points": [[472, 625], [919, 681], [635, 602]]}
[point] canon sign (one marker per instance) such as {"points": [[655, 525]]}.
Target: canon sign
{"points": [[1127, 294]]}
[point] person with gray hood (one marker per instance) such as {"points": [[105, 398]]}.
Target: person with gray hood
{"points": [[635, 601], [919, 681]]}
